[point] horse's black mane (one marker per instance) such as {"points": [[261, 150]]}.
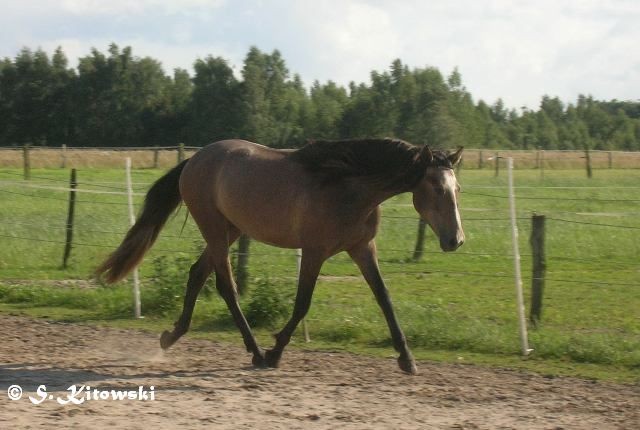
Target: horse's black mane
{"points": [[394, 164]]}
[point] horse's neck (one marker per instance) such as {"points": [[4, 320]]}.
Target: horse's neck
{"points": [[371, 197]]}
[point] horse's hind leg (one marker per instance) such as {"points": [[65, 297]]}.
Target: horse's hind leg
{"points": [[198, 275], [220, 234], [227, 289]]}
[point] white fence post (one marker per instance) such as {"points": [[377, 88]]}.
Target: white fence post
{"points": [[132, 221], [522, 323], [64, 155]]}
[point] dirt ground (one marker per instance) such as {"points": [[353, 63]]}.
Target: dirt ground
{"points": [[204, 384]]}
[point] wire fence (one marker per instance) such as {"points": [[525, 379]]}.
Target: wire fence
{"points": [[52, 189], [166, 156], [585, 276]]}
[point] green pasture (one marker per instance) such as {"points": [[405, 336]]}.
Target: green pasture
{"points": [[455, 307]]}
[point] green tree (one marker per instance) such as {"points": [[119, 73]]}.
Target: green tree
{"points": [[553, 108], [623, 135], [214, 109], [546, 132], [176, 119], [499, 112], [325, 110], [271, 103], [493, 135], [61, 122], [8, 85], [27, 97], [117, 98]]}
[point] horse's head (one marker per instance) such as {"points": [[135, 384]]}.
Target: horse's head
{"points": [[435, 197]]}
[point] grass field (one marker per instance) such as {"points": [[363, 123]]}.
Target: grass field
{"points": [[458, 306]]}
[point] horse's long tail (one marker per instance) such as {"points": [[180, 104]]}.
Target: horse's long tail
{"points": [[161, 200]]}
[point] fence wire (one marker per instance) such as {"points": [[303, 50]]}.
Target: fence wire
{"points": [[103, 186]]}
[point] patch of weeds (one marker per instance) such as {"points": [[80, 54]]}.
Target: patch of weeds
{"points": [[168, 284], [267, 304]]}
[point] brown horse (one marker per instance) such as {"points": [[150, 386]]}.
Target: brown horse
{"points": [[323, 198]]}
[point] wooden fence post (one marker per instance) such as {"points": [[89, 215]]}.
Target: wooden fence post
{"points": [[26, 158], [242, 270], [180, 153], [497, 160], [156, 155], [73, 183], [419, 249], [610, 160], [480, 160], [539, 267], [587, 156]]}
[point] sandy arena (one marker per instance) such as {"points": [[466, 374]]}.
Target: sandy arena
{"points": [[205, 384]]}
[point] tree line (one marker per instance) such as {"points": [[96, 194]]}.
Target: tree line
{"points": [[118, 99]]}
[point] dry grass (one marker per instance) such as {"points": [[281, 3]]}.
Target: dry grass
{"points": [[524, 159], [165, 158], [91, 158]]}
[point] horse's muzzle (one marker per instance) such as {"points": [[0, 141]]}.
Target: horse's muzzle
{"points": [[451, 244]]}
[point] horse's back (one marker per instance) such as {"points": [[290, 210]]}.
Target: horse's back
{"points": [[257, 189]]}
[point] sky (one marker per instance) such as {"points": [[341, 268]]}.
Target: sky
{"points": [[515, 50]]}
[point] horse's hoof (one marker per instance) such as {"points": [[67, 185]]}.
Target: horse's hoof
{"points": [[259, 360], [166, 339], [272, 358], [407, 365]]}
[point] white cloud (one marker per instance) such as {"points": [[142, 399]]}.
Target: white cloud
{"points": [[514, 49], [137, 7], [346, 40], [522, 50]]}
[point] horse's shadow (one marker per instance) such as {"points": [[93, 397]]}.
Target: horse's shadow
{"points": [[30, 376]]}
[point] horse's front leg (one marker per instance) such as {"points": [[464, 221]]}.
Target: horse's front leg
{"points": [[365, 256], [309, 270]]}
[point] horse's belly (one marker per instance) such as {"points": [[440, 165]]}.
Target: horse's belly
{"points": [[278, 241], [277, 226], [278, 235]]}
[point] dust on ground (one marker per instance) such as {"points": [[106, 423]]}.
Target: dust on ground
{"points": [[205, 384]]}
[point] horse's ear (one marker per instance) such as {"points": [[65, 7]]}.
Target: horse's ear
{"points": [[456, 156], [426, 155]]}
